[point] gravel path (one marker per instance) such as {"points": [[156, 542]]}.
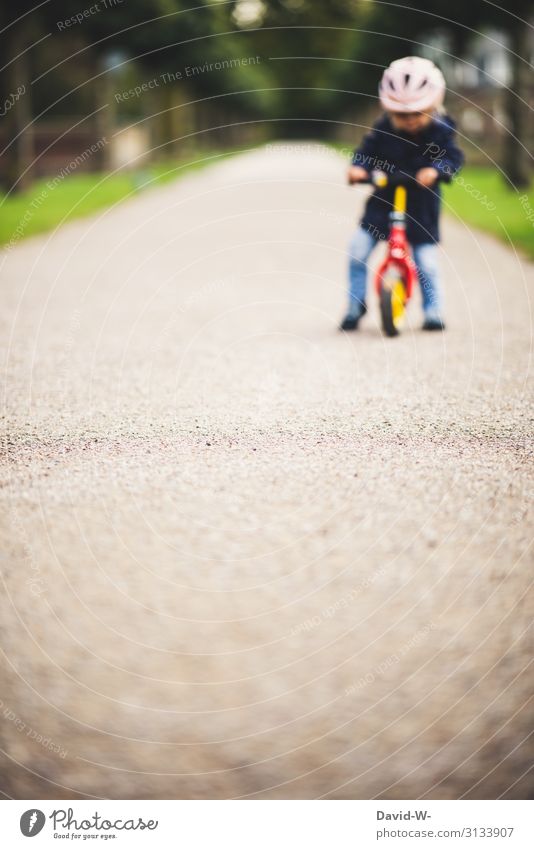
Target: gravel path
{"points": [[243, 554]]}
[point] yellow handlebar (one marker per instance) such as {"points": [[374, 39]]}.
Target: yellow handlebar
{"points": [[399, 199], [380, 179]]}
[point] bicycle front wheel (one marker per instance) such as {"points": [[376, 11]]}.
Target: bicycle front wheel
{"points": [[392, 306]]}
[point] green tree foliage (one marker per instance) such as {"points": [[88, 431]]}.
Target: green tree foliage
{"points": [[302, 40]]}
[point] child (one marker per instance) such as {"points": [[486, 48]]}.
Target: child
{"points": [[415, 137]]}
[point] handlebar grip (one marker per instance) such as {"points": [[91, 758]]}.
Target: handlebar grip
{"points": [[379, 179]]}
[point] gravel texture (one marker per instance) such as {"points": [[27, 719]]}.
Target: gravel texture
{"points": [[245, 555]]}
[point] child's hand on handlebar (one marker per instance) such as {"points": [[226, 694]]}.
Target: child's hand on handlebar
{"points": [[427, 176], [356, 174]]}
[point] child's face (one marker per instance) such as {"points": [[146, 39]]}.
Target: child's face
{"points": [[410, 122]]}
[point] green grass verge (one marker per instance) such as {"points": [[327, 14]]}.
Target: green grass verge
{"points": [[50, 202], [481, 198]]}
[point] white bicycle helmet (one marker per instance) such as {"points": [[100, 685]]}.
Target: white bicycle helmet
{"points": [[411, 84]]}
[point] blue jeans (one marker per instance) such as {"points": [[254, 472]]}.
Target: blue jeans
{"points": [[425, 257]]}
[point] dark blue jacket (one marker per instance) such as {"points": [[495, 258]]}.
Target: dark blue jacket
{"points": [[398, 153]]}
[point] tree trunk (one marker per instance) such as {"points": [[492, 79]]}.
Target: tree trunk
{"points": [[16, 103], [167, 135], [516, 161], [106, 118]]}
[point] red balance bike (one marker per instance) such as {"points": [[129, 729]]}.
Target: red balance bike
{"points": [[397, 274]]}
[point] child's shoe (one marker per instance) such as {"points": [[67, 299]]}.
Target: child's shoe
{"points": [[351, 321], [433, 323]]}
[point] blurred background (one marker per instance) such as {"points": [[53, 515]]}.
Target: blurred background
{"points": [[139, 88]]}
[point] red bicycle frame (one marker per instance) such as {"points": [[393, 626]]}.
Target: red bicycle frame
{"points": [[398, 256]]}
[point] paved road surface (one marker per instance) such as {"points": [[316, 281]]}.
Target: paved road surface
{"points": [[245, 555]]}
